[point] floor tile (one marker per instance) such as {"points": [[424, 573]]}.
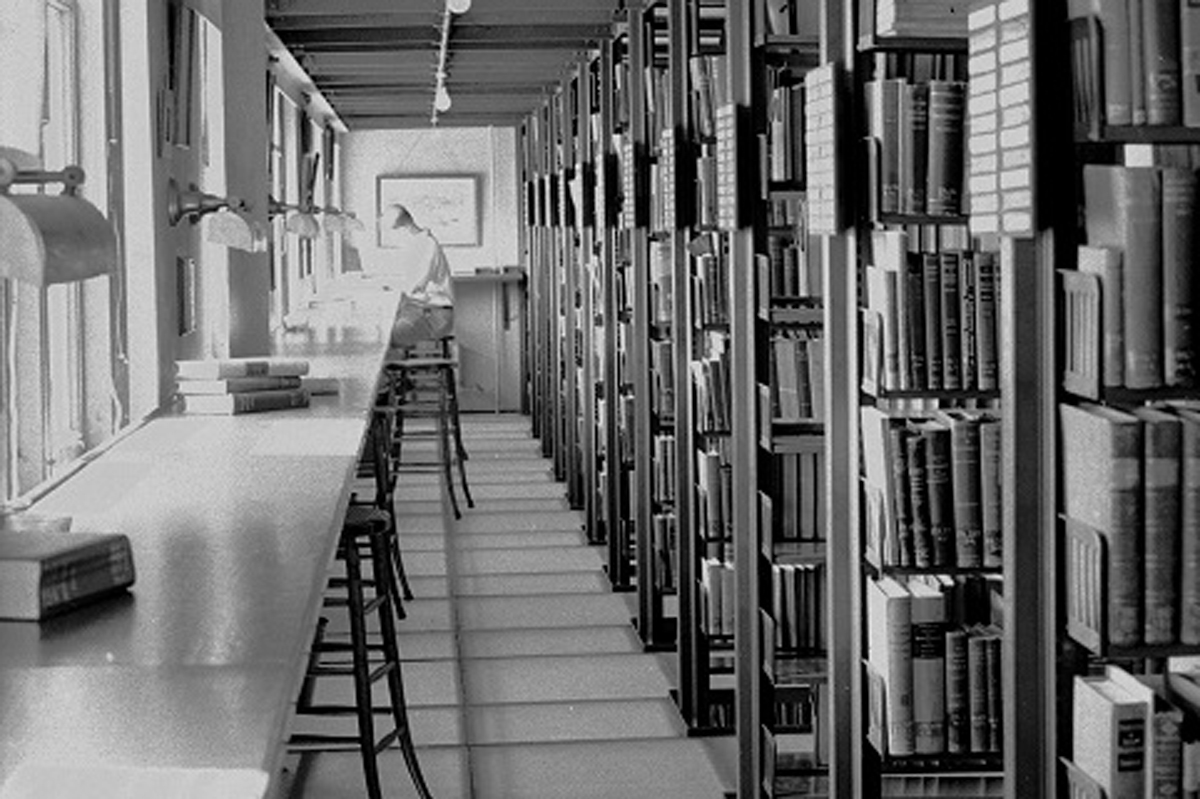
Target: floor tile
{"points": [[338, 775], [424, 493], [562, 679], [423, 564], [545, 538], [426, 683], [526, 561], [478, 520], [431, 726], [429, 587], [576, 582], [577, 721], [659, 768], [526, 612], [548, 643], [485, 476], [437, 645], [420, 615], [424, 542]]}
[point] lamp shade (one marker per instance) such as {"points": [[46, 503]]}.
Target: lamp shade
{"points": [[304, 225], [458, 6], [47, 239], [231, 229]]}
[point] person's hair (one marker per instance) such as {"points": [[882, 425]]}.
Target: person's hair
{"points": [[401, 216]]}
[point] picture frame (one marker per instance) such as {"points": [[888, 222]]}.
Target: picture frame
{"points": [[448, 205]]}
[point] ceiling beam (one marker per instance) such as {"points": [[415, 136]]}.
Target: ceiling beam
{"points": [[491, 37], [558, 14]]}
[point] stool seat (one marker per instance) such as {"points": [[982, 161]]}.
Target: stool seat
{"points": [[420, 363]]}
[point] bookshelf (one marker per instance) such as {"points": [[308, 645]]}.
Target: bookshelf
{"points": [[785, 559], [1125, 346]]}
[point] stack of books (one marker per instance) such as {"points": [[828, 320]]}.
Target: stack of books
{"points": [[232, 386]]}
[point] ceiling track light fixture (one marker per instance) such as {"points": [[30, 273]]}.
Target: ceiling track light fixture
{"points": [[441, 97]]}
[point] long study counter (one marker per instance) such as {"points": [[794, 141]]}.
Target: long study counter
{"points": [[234, 524]]}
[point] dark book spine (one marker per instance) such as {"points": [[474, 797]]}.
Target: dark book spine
{"points": [[945, 169], [914, 298], [1125, 495], [932, 276], [1179, 282], [995, 692], [70, 585], [987, 294], [1160, 56], [914, 146], [918, 482], [977, 696], [1189, 556], [958, 710], [901, 494], [941, 496], [1161, 486], [1139, 204], [968, 512], [951, 333], [968, 344], [990, 492]]}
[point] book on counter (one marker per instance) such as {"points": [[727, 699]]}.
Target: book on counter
{"points": [[238, 385], [221, 368], [248, 402], [45, 573]]}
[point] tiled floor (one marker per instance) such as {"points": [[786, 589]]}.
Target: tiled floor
{"points": [[524, 677]]}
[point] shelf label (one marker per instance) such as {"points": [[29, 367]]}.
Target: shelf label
{"points": [[727, 168], [1000, 118], [821, 137]]}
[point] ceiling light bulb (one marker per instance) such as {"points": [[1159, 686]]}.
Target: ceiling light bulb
{"points": [[458, 6], [441, 99]]}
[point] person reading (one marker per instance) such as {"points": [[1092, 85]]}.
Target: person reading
{"points": [[426, 311]]}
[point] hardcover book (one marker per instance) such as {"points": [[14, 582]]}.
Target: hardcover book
{"points": [[45, 573], [218, 368]]}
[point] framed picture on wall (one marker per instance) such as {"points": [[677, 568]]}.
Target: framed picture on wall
{"points": [[446, 204]]}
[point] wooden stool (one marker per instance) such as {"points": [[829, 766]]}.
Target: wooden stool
{"points": [[423, 385], [375, 464], [372, 531]]}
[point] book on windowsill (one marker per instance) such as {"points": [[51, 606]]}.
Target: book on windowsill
{"points": [[238, 385], [219, 368], [46, 573], [250, 402]]}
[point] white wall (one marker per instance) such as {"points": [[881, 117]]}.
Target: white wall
{"points": [[489, 153]]}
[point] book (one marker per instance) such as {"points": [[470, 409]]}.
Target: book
{"points": [[1110, 735], [957, 682], [939, 491], [1105, 263], [219, 368], [252, 402], [1178, 282], [46, 573], [928, 614], [238, 385], [889, 647], [991, 503], [1102, 452], [1189, 38], [1160, 526], [1118, 97], [1164, 723], [914, 146], [1189, 528], [917, 456], [1124, 209], [1137, 64], [932, 284], [979, 728], [950, 321], [987, 315], [884, 108], [912, 300], [944, 172], [1160, 59], [968, 507], [967, 320]]}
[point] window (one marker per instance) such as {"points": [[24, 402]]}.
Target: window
{"points": [[55, 339]]}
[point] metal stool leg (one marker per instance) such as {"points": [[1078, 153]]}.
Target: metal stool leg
{"points": [[444, 450], [460, 450], [362, 677]]}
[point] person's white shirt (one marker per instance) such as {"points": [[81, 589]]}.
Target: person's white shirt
{"points": [[425, 257]]}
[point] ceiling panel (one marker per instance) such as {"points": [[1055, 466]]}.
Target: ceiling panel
{"points": [[374, 60]]}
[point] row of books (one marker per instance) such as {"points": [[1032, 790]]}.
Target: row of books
{"points": [[924, 18], [918, 134], [1141, 230], [934, 685], [241, 385], [797, 368], [791, 18], [1134, 477], [785, 133], [662, 282], [709, 91], [718, 596], [710, 290], [1135, 735], [662, 377], [666, 549], [664, 468], [931, 321], [794, 509], [798, 605], [792, 273], [933, 489], [1145, 63], [714, 506], [713, 400]]}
